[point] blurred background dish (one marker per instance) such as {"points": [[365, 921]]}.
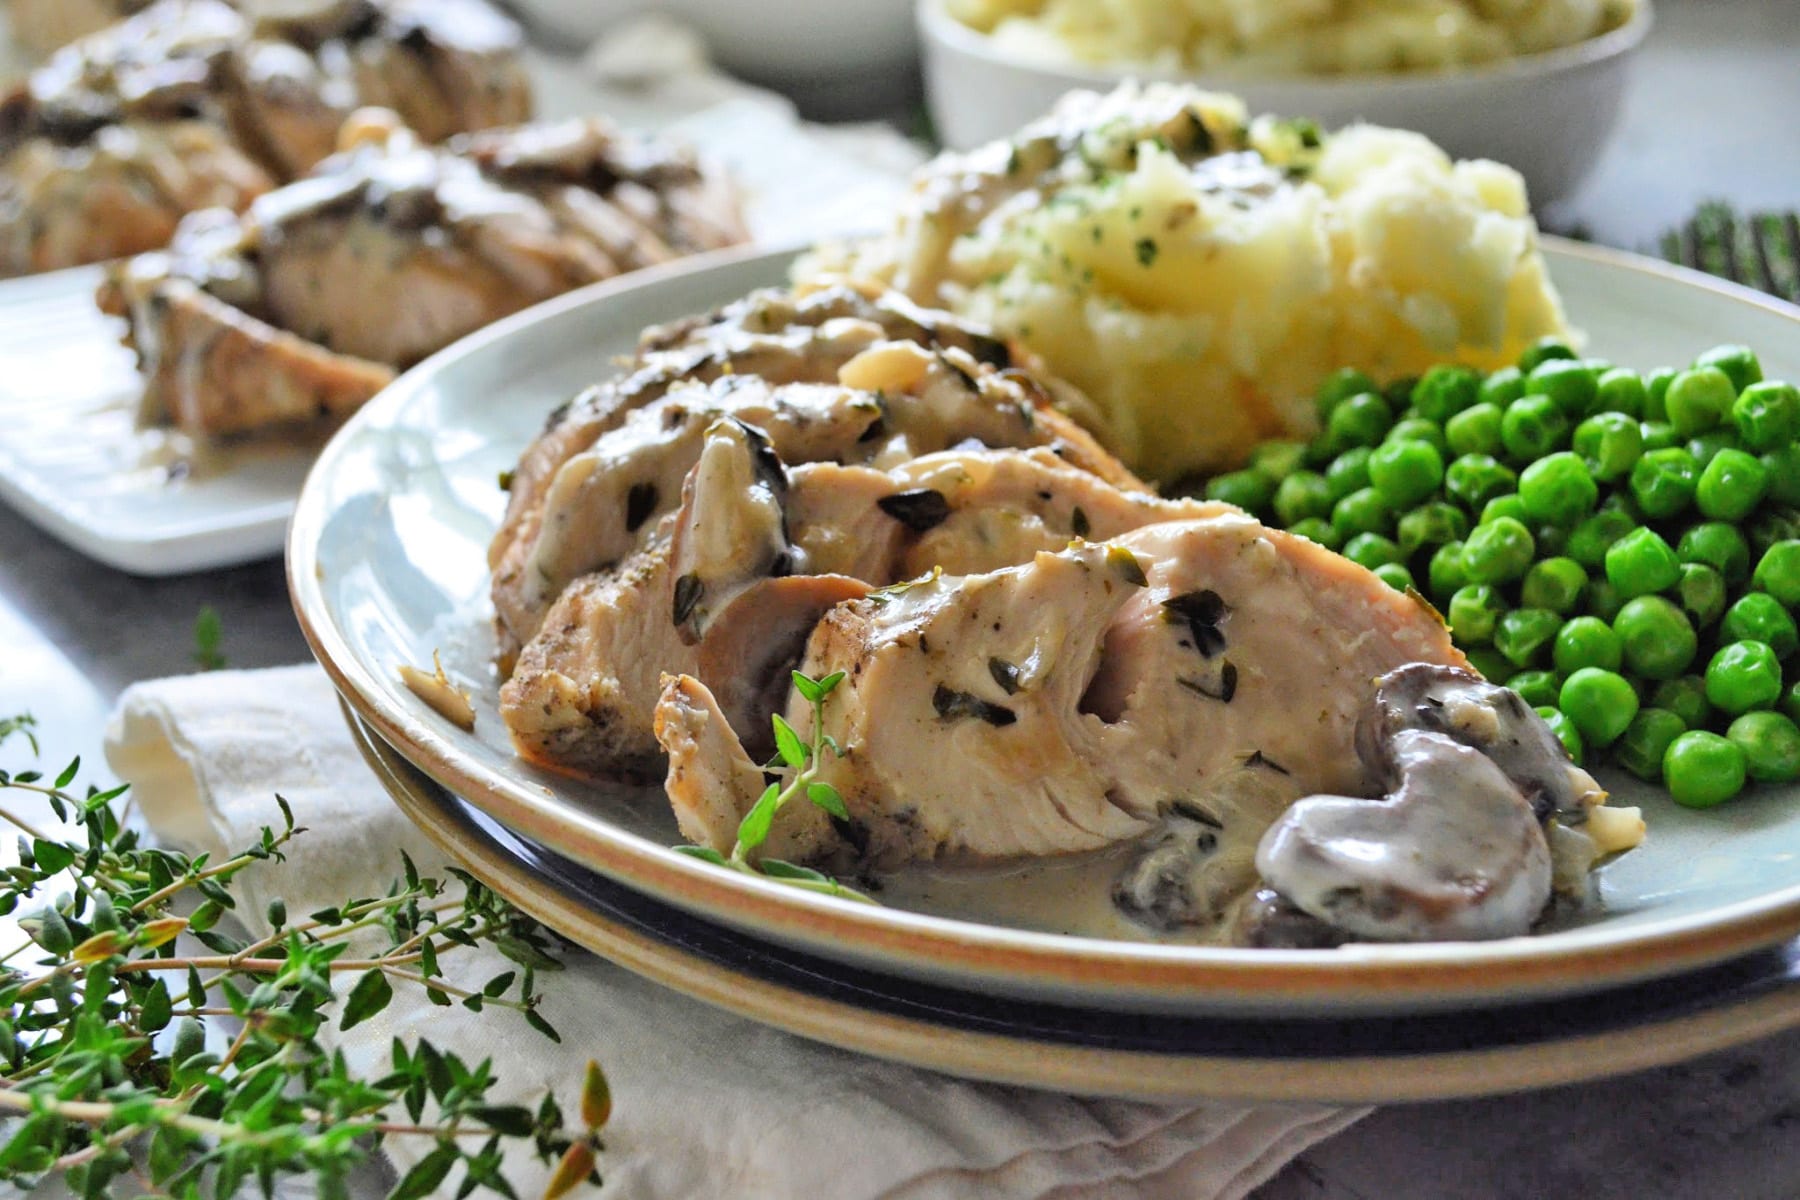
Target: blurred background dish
{"points": [[835, 58], [978, 89]]}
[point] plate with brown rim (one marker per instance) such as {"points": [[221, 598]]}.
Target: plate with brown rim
{"points": [[387, 565]]}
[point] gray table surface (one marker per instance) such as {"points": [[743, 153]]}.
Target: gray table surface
{"points": [[1711, 113]]}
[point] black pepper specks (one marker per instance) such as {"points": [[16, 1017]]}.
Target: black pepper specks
{"points": [[1259, 759], [952, 705], [688, 590], [1005, 674], [919, 510], [1201, 611], [1223, 693]]}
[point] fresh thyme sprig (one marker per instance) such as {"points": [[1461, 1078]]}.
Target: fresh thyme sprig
{"points": [[798, 762], [133, 1060], [209, 639]]}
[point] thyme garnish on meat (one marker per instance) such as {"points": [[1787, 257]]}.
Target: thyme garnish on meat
{"points": [[797, 762]]}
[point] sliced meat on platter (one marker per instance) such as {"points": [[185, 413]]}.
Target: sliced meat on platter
{"points": [[305, 305], [192, 103]]}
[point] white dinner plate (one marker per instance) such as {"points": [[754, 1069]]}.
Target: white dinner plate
{"points": [[387, 564], [1089, 1051], [74, 462]]}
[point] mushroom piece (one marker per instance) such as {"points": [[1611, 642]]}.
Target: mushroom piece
{"points": [[732, 531], [1485, 717], [1485, 815], [1453, 853]]}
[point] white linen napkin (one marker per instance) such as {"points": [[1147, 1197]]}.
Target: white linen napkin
{"points": [[695, 1114]]}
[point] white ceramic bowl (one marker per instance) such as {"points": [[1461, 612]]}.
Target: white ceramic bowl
{"points": [[1547, 115], [853, 56]]}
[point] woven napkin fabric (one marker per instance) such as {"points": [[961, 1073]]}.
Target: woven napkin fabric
{"points": [[706, 1104]]}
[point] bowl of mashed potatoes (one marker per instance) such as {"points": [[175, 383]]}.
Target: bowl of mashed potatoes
{"points": [[1536, 84]]}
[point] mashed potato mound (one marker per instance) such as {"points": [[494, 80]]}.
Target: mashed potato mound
{"points": [[1198, 274], [1288, 37]]}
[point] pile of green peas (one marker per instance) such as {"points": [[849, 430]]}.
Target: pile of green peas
{"points": [[1621, 549]]}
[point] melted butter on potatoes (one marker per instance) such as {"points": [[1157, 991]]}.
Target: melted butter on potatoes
{"points": [[1198, 273]]}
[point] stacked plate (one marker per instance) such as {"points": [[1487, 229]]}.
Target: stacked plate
{"points": [[1692, 946]]}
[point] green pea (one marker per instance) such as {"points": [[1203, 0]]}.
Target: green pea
{"points": [[1533, 426], [1587, 642], [1706, 446], [1474, 430], [1418, 429], [1719, 546], [1405, 472], [1542, 351], [1398, 393], [1698, 400], [1663, 482], [1600, 702], [1658, 435], [1767, 415], [1474, 613], [1702, 770], [1641, 563], [1558, 489], [1358, 421], [1790, 704], [1249, 489], [1592, 538], [1431, 525], [1659, 640], [1701, 591], [1317, 529], [1565, 732], [1656, 391], [1739, 363], [1278, 459], [1489, 664], [1302, 494], [1525, 635], [1771, 746], [1603, 599], [1395, 576], [1760, 617], [1501, 388], [1779, 572], [1555, 584], [1372, 550], [1536, 688], [1784, 475], [1474, 479], [1348, 472], [1444, 391], [1731, 485], [1508, 505], [1743, 676], [1686, 698], [1622, 391], [1445, 573], [1498, 551], [1645, 742], [1339, 386], [1771, 525], [1610, 444], [1573, 385], [1552, 540], [1366, 511]]}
